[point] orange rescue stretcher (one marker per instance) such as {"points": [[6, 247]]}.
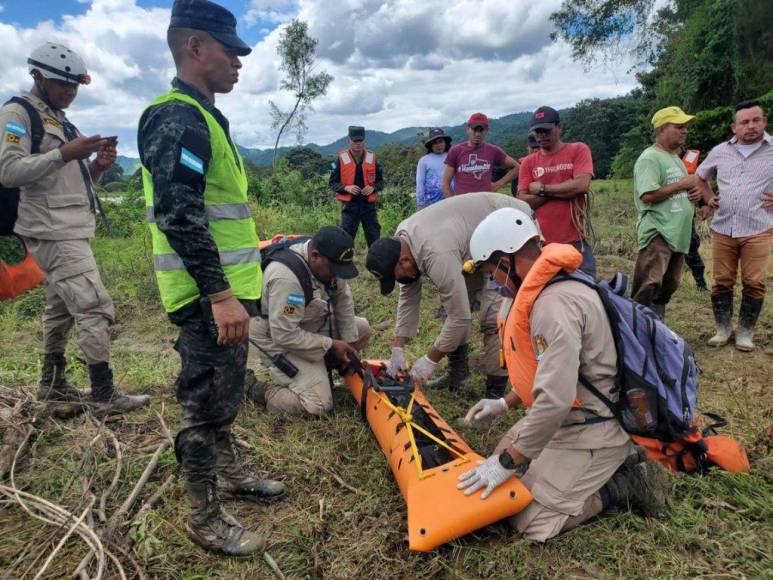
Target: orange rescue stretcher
{"points": [[427, 457], [18, 278]]}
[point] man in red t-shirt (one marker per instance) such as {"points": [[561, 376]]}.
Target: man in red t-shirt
{"points": [[472, 162], [554, 181]]}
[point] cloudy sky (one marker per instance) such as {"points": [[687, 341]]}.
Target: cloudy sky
{"points": [[396, 63]]}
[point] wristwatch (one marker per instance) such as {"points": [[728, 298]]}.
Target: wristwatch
{"points": [[542, 192], [506, 461]]}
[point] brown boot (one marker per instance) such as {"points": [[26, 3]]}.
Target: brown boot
{"points": [[457, 372], [233, 479], [53, 384], [213, 529], [643, 486]]}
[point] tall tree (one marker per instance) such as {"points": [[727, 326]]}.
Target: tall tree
{"points": [[298, 52]]}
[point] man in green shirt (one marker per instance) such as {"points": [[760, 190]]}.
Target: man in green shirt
{"points": [[661, 186]]}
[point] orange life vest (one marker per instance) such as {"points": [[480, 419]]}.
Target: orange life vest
{"points": [[349, 167], [513, 319]]}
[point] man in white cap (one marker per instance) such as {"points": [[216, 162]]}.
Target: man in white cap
{"points": [[47, 159]]}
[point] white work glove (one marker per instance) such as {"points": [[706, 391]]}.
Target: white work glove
{"points": [[422, 370], [489, 474], [485, 410], [396, 362]]}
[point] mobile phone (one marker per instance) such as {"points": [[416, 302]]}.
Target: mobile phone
{"points": [[112, 140]]}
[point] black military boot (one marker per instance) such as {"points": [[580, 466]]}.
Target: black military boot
{"points": [[722, 305], [233, 479], [254, 388], [747, 320], [53, 384], [215, 530], [103, 391], [642, 486], [458, 370], [495, 386], [659, 309]]}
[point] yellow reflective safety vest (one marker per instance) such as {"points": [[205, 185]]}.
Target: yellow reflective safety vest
{"points": [[229, 220]]}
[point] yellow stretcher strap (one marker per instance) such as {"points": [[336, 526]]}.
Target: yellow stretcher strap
{"points": [[406, 417]]}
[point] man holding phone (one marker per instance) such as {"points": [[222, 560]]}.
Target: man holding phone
{"points": [[46, 157]]}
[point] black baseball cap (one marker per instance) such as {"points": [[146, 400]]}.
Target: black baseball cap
{"points": [[209, 17], [338, 247], [382, 258], [356, 132], [544, 118]]}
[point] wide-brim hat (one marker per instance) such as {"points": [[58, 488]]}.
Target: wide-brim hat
{"points": [[434, 134]]}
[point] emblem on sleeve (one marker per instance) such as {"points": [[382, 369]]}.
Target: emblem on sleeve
{"points": [[540, 345], [295, 300]]}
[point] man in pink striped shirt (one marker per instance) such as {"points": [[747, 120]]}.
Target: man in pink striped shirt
{"points": [[742, 228]]}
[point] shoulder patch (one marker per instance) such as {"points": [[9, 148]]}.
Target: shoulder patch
{"points": [[191, 161], [288, 310], [540, 346], [51, 121], [295, 300], [15, 128]]}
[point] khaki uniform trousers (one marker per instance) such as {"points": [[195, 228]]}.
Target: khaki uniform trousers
{"points": [[490, 302], [74, 294], [561, 481], [309, 391]]}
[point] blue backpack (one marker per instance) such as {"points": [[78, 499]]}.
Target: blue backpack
{"points": [[657, 377]]}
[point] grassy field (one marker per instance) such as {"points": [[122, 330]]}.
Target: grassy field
{"points": [[719, 525]]}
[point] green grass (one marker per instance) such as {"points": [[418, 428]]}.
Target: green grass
{"points": [[718, 524]]}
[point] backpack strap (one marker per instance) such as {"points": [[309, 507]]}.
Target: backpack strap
{"points": [[297, 266], [36, 134]]}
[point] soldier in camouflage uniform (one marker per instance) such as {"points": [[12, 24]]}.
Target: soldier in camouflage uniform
{"points": [[207, 263]]}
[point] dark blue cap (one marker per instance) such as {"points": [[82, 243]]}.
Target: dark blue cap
{"points": [[209, 17]]}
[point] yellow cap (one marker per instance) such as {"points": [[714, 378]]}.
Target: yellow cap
{"points": [[469, 267], [673, 115]]}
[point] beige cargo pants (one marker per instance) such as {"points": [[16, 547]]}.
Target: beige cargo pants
{"points": [[562, 481], [74, 294], [309, 391]]}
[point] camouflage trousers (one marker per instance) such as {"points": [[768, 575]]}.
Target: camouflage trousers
{"points": [[210, 389]]}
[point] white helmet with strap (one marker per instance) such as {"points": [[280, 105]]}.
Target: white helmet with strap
{"points": [[56, 61], [505, 230]]}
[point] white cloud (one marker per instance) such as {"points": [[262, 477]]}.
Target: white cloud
{"points": [[396, 63]]}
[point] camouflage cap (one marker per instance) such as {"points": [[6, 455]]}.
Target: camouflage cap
{"points": [[209, 17]]}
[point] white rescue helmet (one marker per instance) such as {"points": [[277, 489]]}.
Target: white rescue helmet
{"points": [[505, 230], [56, 61]]}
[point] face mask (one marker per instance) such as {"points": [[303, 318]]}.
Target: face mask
{"points": [[409, 279]]}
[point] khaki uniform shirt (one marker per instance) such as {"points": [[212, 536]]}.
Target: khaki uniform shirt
{"points": [[439, 239], [287, 326], [54, 202], [571, 337]]}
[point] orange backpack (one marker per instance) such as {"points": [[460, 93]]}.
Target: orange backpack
{"points": [[699, 451], [18, 278]]}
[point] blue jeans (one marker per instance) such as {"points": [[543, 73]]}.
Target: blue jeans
{"points": [[588, 259]]}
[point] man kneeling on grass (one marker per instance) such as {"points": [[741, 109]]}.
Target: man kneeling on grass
{"points": [[570, 452], [307, 319]]}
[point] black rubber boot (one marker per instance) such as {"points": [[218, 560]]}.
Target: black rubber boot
{"points": [[254, 389], [495, 386], [233, 479], [53, 384], [458, 370], [213, 529], [103, 391], [748, 314], [722, 305], [642, 486]]}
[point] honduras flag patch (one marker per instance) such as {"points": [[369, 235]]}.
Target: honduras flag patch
{"points": [[15, 128], [191, 161], [295, 300]]}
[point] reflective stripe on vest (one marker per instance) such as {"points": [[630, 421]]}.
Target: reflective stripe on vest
{"points": [[514, 326], [226, 211], [167, 262], [229, 221]]}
